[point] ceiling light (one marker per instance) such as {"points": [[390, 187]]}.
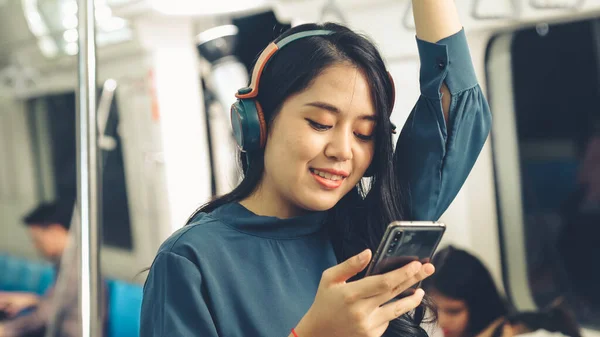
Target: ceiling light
{"points": [[71, 35], [69, 7], [103, 12], [206, 7], [71, 48], [70, 22], [112, 24], [47, 46]]}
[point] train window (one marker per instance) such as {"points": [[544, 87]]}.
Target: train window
{"points": [[555, 84], [60, 117]]}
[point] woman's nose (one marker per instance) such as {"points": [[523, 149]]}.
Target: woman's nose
{"points": [[340, 146]]}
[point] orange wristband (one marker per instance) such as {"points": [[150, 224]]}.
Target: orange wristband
{"points": [[294, 333]]}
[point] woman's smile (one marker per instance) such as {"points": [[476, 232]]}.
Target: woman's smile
{"points": [[328, 178]]}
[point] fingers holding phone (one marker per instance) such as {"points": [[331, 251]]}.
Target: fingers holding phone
{"points": [[388, 312], [390, 283], [393, 284], [343, 308]]}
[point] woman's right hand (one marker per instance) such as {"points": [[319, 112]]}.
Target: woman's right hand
{"points": [[358, 308]]}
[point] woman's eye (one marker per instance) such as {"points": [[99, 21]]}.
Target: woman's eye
{"points": [[453, 312], [364, 137], [317, 126], [321, 127]]}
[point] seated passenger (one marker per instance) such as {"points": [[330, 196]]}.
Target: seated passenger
{"points": [[48, 227], [464, 293], [556, 319]]}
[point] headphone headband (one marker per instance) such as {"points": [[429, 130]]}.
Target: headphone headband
{"points": [[252, 90]]}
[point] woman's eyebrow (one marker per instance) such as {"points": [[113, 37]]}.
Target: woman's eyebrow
{"points": [[335, 110]]}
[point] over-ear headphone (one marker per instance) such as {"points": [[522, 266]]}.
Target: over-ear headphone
{"points": [[247, 118]]}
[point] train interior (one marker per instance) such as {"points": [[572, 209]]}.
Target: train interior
{"points": [[166, 74]]}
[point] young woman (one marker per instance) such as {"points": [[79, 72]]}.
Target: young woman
{"points": [[279, 255], [465, 294]]}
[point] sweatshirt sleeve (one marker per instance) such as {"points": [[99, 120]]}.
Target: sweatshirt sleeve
{"points": [[173, 302], [433, 159]]}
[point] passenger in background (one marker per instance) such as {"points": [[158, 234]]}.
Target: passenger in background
{"points": [[556, 319], [464, 292], [589, 178], [48, 226], [578, 246], [577, 243]]}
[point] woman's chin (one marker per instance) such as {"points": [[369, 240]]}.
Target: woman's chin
{"points": [[318, 202]]}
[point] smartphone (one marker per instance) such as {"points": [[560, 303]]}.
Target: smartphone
{"points": [[404, 242]]}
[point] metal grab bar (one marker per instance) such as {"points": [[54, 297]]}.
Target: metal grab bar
{"points": [[538, 5], [106, 142], [85, 250], [88, 197], [332, 7], [407, 19], [512, 15]]}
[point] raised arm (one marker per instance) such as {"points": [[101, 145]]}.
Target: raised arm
{"points": [[448, 126], [435, 20]]}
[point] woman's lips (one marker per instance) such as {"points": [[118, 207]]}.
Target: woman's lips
{"points": [[329, 178]]}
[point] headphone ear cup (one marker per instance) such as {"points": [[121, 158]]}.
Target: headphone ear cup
{"points": [[262, 124], [236, 117], [248, 124]]}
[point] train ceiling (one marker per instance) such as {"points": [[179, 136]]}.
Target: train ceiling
{"points": [[43, 32]]}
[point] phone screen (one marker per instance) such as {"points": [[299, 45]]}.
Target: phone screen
{"points": [[404, 245], [407, 244]]}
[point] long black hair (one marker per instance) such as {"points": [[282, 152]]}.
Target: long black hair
{"points": [[461, 276], [359, 219]]}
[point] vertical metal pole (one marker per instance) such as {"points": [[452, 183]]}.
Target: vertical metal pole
{"points": [[87, 174]]}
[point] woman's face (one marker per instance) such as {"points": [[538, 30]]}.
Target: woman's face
{"points": [[320, 144], [453, 315]]}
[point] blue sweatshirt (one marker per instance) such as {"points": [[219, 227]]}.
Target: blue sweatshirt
{"points": [[231, 273]]}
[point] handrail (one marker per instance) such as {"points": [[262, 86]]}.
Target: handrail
{"points": [[332, 7], [537, 5], [513, 14], [407, 17], [106, 142], [88, 196], [85, 250], [408, 21]]}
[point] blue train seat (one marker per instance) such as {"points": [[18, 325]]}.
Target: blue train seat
{"points": [[125, 299], [19, 274], [125, 304]]}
